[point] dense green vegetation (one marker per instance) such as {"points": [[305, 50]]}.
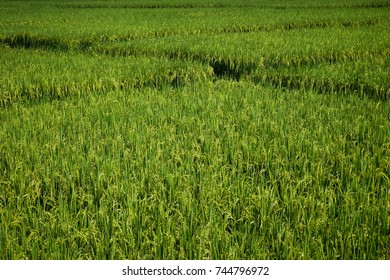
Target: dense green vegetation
{"points": [[195, 129]]}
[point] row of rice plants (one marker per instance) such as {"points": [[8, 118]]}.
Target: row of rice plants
{"points": [[348, 60], [265, 49], [153, 4], [265, 60], [246, 50], [121, 24], [224, 170], [368, 76], [35, 74]]}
